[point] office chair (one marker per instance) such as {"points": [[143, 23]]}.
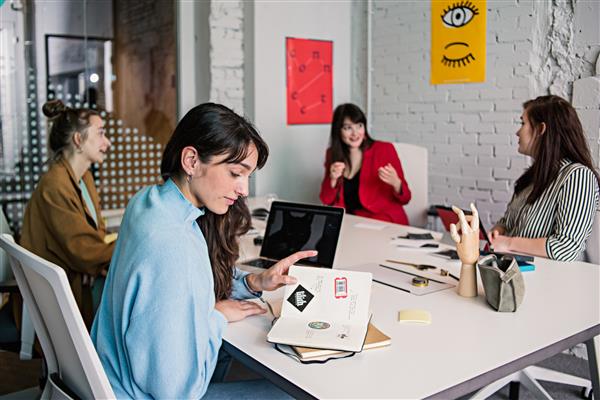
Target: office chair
{"points": [[74, 369], [414, 164], [530, 375], [6, 281]]}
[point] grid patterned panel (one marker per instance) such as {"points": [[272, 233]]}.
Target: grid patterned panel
{"points": [[133, 161]]}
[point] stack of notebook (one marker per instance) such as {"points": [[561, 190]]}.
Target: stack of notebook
{"points": [[375, 338]]}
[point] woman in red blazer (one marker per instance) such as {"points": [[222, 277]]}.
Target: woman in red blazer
{"points": [[361, 174]]}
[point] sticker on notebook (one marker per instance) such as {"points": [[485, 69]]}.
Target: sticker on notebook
{"points": [[341, 288], [318, 325], [300, 298]]}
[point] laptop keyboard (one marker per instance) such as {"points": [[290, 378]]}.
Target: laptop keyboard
{"points": [[260, 263]]}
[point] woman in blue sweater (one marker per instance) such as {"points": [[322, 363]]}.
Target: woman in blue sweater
{"points": [[172, 287]]}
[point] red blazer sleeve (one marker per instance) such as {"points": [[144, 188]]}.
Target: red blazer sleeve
{"points": [[329, 196]]}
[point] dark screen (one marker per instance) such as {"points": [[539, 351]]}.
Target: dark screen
{"points": [[294, 227]]}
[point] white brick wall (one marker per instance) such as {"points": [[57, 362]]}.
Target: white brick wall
{"points": [[469, 129], [227, 54]]}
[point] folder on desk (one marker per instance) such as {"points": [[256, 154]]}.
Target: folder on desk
{"points": [[325, 309]]}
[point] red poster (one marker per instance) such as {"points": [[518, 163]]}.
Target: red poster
{"points": [[309, 66]]}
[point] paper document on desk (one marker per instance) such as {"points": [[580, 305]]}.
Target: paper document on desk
{"points": [[401, 277], [325, 309]]}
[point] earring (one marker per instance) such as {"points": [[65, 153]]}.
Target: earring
{"points": [[188, 178]]}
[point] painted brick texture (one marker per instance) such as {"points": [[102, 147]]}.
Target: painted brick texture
{"points": [[227, 54], [469, 129]]}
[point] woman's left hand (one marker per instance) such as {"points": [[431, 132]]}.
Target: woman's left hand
{"points": [[389, 175], [277, 275], [501, 243]]}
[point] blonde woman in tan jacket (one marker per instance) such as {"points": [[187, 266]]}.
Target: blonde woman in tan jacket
{"points": [[62, 222]]}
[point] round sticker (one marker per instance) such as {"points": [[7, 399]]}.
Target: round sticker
{"points": [[319, 325]]}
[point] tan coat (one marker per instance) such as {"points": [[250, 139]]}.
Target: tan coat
{"points": [[59, 228]]}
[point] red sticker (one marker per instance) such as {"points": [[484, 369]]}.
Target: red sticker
{"points": [[341, 288]]}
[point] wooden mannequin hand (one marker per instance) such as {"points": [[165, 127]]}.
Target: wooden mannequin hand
{"points": [[467, 242]]}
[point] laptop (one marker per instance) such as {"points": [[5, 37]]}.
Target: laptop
{"points": [[292, 227]]}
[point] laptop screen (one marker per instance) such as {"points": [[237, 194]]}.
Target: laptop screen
{"points": [[293, 227]]}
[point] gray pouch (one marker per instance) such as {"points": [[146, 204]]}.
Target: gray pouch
{"points": [[502, 282]]}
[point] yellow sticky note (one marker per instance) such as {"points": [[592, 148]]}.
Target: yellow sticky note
{"points": [[458, 41], [417, 316]]}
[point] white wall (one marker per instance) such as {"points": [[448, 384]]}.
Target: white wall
{"points": [[295, 165], [227, 53], [193, 59], [533, 48]]}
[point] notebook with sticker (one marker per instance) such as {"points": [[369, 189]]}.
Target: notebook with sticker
{"points": [[325, 309]]}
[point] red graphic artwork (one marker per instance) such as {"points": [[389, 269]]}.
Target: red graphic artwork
{"points": [[309, 81]]}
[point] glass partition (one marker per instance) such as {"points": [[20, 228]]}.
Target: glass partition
{"points": [[118, 57]]}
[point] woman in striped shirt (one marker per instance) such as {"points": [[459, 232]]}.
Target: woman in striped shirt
{"points": [[555, 200]]}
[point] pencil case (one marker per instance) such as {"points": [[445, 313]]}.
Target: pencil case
{"points": [[502, 282]]}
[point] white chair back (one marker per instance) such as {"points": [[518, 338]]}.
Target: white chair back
{"points": [[74, 369], [592, 248], [415, 165], [5, 271]]}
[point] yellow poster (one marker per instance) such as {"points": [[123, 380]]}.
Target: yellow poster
{"points": [[458, 50]]}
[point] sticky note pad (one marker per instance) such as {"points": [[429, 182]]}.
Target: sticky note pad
{"points": [[416, 316]]}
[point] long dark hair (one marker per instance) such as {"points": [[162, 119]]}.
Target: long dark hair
{"points": [[64, 122], [339, 149], [562, 139], [213, 129]]}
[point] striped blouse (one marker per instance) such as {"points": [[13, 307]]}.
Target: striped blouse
{"points": [[563, 214]]}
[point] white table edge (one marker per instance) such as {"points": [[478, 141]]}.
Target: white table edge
{"points": [[455, 391]]}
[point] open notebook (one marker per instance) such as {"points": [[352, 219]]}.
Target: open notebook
{"points": [[325, 309]]}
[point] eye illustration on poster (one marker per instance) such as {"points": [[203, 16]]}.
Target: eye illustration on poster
{"points": [[458, 41], [309, 65]]}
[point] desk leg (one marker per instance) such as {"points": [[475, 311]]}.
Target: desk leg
{"points": [[593, 363]]}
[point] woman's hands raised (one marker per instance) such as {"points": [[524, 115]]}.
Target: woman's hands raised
{"points": [[388, 174], [336, 170]]}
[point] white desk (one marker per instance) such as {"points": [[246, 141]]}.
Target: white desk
{"points": [[468, 344]]}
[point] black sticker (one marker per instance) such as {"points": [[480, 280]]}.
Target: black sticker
{"points": [[300, 298]]}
